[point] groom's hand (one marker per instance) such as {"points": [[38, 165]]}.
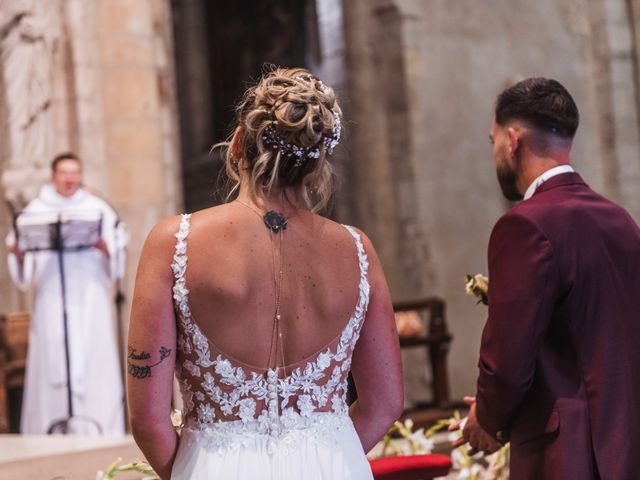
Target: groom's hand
{"points": [[479, 440]]}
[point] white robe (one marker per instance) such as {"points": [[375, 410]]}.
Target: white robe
{"points": [[95, 369]]}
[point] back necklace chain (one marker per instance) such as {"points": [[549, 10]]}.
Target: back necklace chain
{"points": [[277, 224]]}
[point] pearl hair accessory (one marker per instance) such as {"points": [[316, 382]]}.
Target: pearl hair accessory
{"points": [[272, 138]]}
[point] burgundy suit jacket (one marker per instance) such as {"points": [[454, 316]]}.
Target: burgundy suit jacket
{"points": [[560, 355]]}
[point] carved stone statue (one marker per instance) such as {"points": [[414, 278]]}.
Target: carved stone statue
{"points": [[29, 34]]}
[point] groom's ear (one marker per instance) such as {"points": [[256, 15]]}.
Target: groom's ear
{"points": [[514, 139]]}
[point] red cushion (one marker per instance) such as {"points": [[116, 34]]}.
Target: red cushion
{"points": [[411, 467]]}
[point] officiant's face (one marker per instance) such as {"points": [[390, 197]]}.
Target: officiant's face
{"points": [[67, 177], [506, 163]]}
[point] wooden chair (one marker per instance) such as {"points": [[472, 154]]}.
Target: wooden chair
{"points": [[14, 339], [437, 340]]}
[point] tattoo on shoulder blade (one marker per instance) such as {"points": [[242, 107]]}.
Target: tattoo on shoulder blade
{"points": [[143, 371]]}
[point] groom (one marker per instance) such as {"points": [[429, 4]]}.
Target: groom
{"points": [[560, 355]]}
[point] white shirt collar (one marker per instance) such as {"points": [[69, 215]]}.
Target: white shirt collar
{"points": [[50, 196], [552, 172]]}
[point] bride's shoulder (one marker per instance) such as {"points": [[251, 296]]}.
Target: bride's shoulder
{"points": [[163, 237], [162, 234], [347, 233], [169, 226]]}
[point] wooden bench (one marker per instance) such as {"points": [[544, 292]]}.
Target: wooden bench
{"points": [[14, 339]]}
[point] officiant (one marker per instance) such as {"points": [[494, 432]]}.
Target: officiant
{"points": [[96, 389]]}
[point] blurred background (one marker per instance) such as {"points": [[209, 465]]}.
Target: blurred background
{"points": [[141, 90]]}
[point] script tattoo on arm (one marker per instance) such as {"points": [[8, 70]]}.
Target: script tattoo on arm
{"points": [[137, 370]]}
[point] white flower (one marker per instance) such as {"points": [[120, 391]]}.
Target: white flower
{"points": [[468, 287], [289, 417], [324, 360], [226, 406], [179, 292], [472, 472], [420, 443], [482, 282], [453, 436], [338, 404], [464, 474], [100, 475], [320, 395], [263, 422], [247, 409], [194, 370], [205, 413], [209, 384], [477, 286], [458, 459], [223, 367], [305, 405]]}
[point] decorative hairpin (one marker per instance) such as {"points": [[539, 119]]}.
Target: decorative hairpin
{"points": [[273, 139], [310, 79]]}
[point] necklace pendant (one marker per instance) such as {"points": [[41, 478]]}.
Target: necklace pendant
{"points": [[275, 221]]}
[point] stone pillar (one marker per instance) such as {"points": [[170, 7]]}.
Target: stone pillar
{"points": [[614, 57], [136, 99], [330, 66], [381, 186], [382, 182]]}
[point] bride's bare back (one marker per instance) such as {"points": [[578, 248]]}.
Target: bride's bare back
{"points": [[233, 261]]}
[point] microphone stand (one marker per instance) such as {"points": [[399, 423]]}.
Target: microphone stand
{"points": [[58, 246], [57, 242]]}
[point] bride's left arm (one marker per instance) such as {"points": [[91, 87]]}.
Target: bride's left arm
{"points": [[151, 353], [376, 366]]}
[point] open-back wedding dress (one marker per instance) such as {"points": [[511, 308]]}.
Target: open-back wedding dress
{"points": [[248, 422]]}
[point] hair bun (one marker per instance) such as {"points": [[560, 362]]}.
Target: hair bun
{"points": [[290, 121]]}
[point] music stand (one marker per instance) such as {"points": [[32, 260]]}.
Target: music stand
{"points": [[60, 232]]}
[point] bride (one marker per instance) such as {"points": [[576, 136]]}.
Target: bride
{"points": [[262, 307]]}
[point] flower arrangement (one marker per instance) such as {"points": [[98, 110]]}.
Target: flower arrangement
{"points": [[115, 468], [402, 440], [139, 466], [478, 286]]}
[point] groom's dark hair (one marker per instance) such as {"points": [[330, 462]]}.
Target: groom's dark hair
{"points": [[543, 103]]}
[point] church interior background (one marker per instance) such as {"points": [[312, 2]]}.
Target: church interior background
{"points": [[141, 90]]}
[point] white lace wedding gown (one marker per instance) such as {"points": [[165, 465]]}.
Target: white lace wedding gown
{"points": [[247, 422]]}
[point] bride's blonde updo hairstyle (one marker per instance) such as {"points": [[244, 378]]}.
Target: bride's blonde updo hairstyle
{"points": [[287, 125]]}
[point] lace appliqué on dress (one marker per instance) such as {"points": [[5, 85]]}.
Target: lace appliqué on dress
{"points": [[223, 437], [309, 400]]}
